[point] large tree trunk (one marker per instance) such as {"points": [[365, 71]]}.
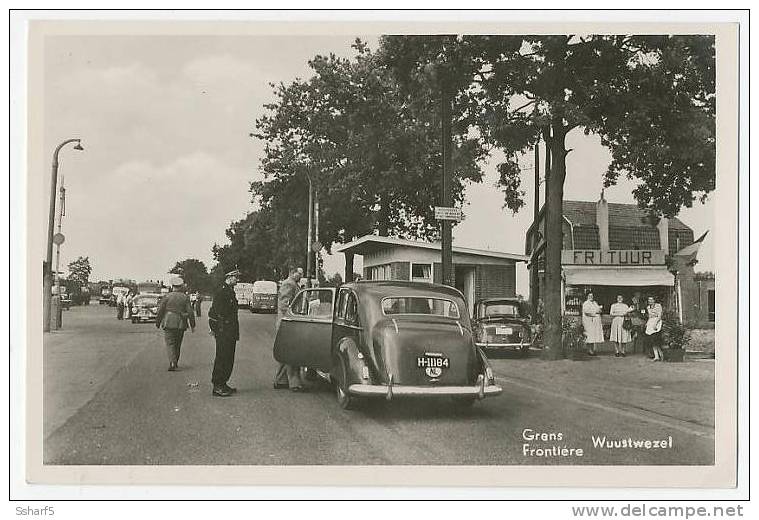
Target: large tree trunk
{"points": [[554, 239]]}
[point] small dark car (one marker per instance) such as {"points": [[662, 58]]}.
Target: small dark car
{"points": [[386, 339], [502, 324], [145, 307]]}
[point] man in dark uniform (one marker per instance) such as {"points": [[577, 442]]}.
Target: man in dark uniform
{"points": [[222, 319]]}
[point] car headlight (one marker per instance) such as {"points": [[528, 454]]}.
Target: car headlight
{"points": [[489, 374]]}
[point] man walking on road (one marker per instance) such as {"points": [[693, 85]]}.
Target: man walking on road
{"points": [[222, 320], [287, 376], [174, 313]]}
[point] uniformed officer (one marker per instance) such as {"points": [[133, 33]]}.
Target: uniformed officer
{"points": [[222, 319], [174, 314]]}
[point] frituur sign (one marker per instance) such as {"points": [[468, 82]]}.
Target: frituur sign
{"points": [[628, 257]]}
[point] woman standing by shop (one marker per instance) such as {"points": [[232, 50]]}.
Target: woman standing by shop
{"points": [[591, 323], [653, 328], [619, 334], [638, 318]]}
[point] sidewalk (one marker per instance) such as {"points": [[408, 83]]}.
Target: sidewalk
{"points": [[683, 392]]}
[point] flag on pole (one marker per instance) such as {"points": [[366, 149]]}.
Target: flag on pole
{"points": [[691, 250]]}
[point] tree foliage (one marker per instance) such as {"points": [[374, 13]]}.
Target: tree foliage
{"points": [[80, 271], [650, 98], [194, 273], [370, 148]]}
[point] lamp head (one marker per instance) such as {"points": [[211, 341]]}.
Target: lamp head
{"points": [[78, 146]]}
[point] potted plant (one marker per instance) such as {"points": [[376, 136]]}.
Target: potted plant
{"points": [[675, 337], [573, 338]]}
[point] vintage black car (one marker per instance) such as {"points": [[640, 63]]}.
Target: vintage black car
{"points": [[386, 339], [145, 307], [502, 324]]}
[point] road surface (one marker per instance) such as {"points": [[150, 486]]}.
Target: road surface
{"points": [[110, 400]]}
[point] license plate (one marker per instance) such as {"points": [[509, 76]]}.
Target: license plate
{"points": [[433, 361], [504, 331]]}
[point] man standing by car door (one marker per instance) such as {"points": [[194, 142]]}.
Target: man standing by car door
{"points": [[287, 376], [222, 320]]}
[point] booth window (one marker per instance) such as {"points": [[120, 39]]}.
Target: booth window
{"points": [[421, 273]]}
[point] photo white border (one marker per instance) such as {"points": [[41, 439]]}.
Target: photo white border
{"points": [[376, 475]]}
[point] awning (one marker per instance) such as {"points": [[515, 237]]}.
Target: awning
{"points": [[624, 276]]}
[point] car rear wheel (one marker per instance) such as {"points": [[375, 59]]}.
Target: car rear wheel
{"points": [[344, 399]]}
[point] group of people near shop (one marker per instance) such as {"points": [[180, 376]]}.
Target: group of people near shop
{"points": [[638, 323]]}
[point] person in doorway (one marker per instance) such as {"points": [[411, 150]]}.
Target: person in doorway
{"points": [[591, 323], [225, 327], [173, 316], [653, 328], [620, 335], [287, 376]]}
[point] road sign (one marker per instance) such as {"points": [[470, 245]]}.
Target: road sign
{"points": [[445, 213], [316, 246], [58, 239]]}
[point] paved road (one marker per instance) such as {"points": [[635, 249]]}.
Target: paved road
{"points": [[110, 400]]}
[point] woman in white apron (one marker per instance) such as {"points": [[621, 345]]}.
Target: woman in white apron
{"points": [[653, 328], [591, 324], [619, 334]]}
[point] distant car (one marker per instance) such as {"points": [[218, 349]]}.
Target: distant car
{"points": [[263, 296], [145, 307], [386, 339], [65, 298], [105, 296], [502, 324]]}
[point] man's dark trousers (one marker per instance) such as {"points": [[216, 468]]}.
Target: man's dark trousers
{"points": [[225, 359]]}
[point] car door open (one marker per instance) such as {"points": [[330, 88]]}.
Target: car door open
{"points": [[305, 332]]}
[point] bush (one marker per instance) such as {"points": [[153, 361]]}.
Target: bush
{"points": [[674, 334], [572, 333]]}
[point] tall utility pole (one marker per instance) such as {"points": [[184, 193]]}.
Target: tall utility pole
{"points": [[309, 257], [445, 117], [534, 290], [316, 244], [61, 213]]}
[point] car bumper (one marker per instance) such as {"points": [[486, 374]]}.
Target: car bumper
{"points": [[389, 392], [502, 346]]}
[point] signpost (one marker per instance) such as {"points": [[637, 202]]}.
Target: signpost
{"points": [[447, 213]]}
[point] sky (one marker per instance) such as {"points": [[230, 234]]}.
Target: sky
{"points": [[165, 123]]}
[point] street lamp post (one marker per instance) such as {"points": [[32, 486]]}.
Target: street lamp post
{"points": [[48, 276]]}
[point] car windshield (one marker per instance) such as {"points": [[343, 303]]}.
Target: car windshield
{"points": [[500, 309], [146, 300], [265, 286], [420, 305]]}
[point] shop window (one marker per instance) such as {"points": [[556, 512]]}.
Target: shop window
{"points": [[380, 272], [421, 273]]}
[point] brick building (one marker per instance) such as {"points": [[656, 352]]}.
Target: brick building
{"points": [[477, 273], [612, 249]]}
